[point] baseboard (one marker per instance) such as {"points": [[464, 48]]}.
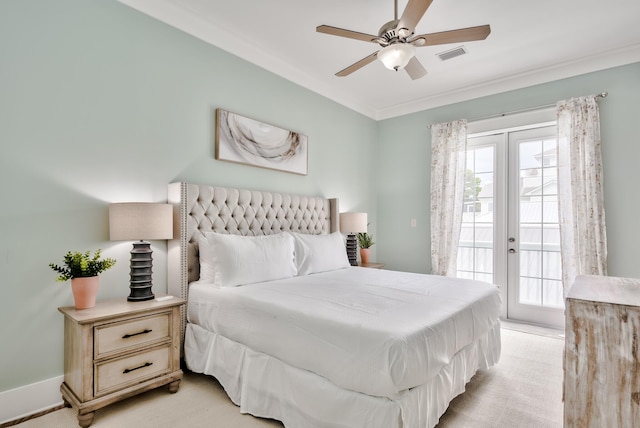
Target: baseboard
{"points": [[30, 399]]}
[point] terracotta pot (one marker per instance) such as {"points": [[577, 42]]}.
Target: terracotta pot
{"points": [[84, 291], [364, 255]]}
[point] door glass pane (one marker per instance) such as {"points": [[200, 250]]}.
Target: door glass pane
{"points": [[475, 248], [550, 177], [484, 260], [530, 291], [465, 260], [529, 152], [484, 159], [552, 294], [465, 275], [484, 235], [540, 266], [550, 209], [486, 277], [551, 237], [530, 182], [552, 267], [530, 263], [530, 237]]}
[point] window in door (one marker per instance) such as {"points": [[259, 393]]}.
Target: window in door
{"points": [[475, 249]]}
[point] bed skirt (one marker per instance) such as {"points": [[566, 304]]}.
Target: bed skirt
{"points": [[264, 386]]}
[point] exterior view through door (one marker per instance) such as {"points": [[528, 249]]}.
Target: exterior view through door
{"points": [[510, 232]]}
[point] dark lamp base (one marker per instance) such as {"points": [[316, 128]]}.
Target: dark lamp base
{"points": [[140, 295], [352, 246], [141, 269]]}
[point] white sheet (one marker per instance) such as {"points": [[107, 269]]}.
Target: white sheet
{"points": [[378, 332]]}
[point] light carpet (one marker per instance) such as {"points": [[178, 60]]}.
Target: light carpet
{"points": [[524, 390]]}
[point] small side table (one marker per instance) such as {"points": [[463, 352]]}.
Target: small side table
{"points": [[372, 265], [119, 349]]}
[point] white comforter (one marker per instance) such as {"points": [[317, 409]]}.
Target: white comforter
{"points": [[378, 332]]}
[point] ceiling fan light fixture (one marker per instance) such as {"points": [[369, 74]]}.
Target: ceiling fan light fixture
{"points": [[396, 56]]}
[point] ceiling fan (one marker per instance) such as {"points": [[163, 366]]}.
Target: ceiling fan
{"points": [[398, 40]]}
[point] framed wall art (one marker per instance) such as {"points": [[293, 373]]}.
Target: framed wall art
{"points": [[251, 142]]}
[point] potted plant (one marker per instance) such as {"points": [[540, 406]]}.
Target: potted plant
{"points": [[365, 241], [83, 270]]}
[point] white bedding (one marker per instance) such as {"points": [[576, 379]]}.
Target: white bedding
{"points": [[377, 332]]}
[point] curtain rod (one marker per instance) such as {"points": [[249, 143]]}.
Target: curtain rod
{"points": [[524, 110]]}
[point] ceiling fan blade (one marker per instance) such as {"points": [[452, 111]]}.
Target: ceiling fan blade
{"points": [[357, 65], [341, 32], [413, 13], [415, 70], [455, 36]]}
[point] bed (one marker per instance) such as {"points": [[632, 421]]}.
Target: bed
{"points": [[293, 332]]}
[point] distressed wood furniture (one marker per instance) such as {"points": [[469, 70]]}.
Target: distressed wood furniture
{"points": [[602, 353], [118, 349], [372, 265]]}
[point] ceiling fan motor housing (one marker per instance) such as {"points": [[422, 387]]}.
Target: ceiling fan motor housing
{"points": [[392, 34]]}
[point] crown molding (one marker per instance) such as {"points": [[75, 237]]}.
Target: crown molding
{"points": [[227, 40]]}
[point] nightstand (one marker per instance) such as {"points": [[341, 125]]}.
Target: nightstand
{"points": [[118, 349], [372, 265]]}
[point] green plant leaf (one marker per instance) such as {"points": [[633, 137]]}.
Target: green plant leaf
{"points": [[80, 265], [365, 240]]}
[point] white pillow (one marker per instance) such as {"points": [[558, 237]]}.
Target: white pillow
{"points": [[231, 260], [319, 253]]}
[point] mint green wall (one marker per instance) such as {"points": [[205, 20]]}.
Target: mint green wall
{"points": [[98, 104], [405, 146]]}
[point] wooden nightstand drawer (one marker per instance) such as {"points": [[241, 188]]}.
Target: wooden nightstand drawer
{"points": [[118, 349], [120, 373], [131, 333]]}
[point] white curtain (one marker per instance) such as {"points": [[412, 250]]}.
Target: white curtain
{"points": [[583, 236], [448, 161]]}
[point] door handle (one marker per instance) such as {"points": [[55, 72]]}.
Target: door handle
{"points": [[511, 250], [512, 239]]}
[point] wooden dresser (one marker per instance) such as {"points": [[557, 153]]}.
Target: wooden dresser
{"points": [[602, 353], [118, 349]]}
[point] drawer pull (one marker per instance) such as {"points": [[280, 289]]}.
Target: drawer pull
{"points": [[136, 368], [145, 331]]}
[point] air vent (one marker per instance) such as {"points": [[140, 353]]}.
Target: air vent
{"points": [[452, 53]]}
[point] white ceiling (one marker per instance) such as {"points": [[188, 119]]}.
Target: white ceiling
{"points": [[531, 42]]}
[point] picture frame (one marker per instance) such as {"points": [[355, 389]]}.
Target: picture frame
{"points": [[251, 142]]}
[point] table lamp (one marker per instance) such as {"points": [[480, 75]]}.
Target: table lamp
{"points": [[352, 223], [140, 221]]}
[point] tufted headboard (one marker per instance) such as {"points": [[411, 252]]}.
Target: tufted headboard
{"points": [[201, 208]]}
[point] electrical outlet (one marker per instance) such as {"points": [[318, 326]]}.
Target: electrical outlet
{"points": [[413, 222]]}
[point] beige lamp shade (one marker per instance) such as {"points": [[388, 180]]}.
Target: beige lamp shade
{"points": [[353, 222], [140, 220]]}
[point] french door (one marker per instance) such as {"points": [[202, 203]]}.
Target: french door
{"points": [[510, 231]]}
